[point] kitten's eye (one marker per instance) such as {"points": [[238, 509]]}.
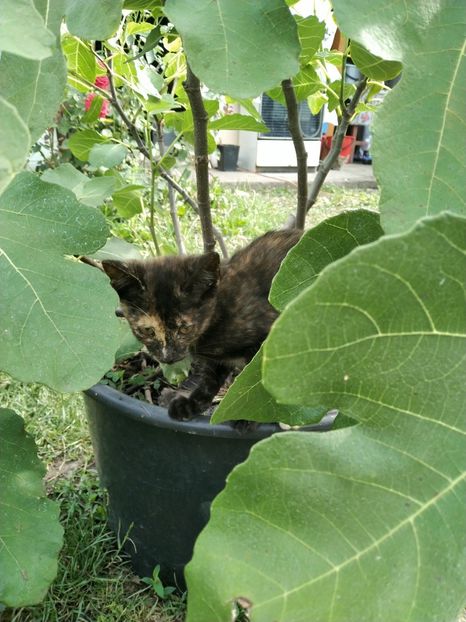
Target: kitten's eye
{"points": [[148, 332], [184, 329]]}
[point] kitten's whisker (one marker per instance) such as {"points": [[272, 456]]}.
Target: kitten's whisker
{"points": [[139, 309]]}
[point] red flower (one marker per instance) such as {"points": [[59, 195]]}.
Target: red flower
{"points": [[105, 105], [102, 82]]}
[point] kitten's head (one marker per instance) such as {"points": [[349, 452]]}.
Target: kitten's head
{"points": [[168, 301]]}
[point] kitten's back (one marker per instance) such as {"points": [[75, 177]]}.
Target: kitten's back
{"points": [[260, 260], [243, 314]]}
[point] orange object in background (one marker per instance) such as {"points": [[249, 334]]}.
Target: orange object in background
{"points": [[346, 148]]}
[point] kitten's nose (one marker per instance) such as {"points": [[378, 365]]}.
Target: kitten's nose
{"points": [[119, 312], [169, 356]]}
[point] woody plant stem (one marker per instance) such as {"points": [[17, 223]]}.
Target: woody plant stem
{"points": [[324, 168], [308, 196], [145, 152], [301, 154], [192, 87]]}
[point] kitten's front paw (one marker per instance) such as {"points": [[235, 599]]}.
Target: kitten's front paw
{"points": [[182, 408], [167, 396]]}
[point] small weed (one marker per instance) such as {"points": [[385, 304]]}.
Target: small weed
{"points": [[155, 583], [114, 378], [176, 372], [139, 380]]}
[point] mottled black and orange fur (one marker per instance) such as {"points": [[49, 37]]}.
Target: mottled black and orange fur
{"points": [[216, 311]]}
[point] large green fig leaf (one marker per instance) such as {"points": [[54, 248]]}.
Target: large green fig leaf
{"points": [[36, 87], [93, 20], [248, 399], [333, 526], [23, 30], [80, 61], [89, 191], [364, 523], [56, 314], [419, 132], [311, 33], [237, 48], [373, 66], [305, 83], [81, 142], [330, 240], [376, 326], [15, 143], [30, 534]]}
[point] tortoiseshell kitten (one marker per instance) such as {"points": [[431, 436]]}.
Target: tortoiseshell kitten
{"points": [[216, 311]]}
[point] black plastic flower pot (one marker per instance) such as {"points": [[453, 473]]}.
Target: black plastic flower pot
{"points": [[162, 475], [228, 157]]}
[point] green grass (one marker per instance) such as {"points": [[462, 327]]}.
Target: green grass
{"points": [[241, 213], [56, 421], [94, 581]]}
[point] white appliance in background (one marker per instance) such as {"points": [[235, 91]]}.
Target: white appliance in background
{"points": [[275, 149]]}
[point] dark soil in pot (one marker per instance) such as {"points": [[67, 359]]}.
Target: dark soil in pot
{"points": [[162, 475], [142, 377]]}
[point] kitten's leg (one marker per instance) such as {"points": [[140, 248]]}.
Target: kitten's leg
{"points": [[205, 381]]}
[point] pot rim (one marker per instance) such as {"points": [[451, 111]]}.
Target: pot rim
{"points": [[157, 416]]}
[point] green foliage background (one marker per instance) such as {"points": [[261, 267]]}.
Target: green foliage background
{"points": [[307, 522]]}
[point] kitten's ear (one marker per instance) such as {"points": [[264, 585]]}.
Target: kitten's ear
{"points": [[121, 276], [208, 269]]}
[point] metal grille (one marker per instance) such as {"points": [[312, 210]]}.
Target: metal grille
{"points": [[275, 117]]}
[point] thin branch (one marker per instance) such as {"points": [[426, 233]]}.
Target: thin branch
{"points": [[343, 75], [88, 84], [337, 142], [221, 242], [163, 172], [147, 391], [294, 126], [171, 195], [192, 86], [152, 191], [129, 124], [190, 201], [152, 212]]}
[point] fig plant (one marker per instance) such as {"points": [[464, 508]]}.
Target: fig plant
{"points": [[365, 522]]}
